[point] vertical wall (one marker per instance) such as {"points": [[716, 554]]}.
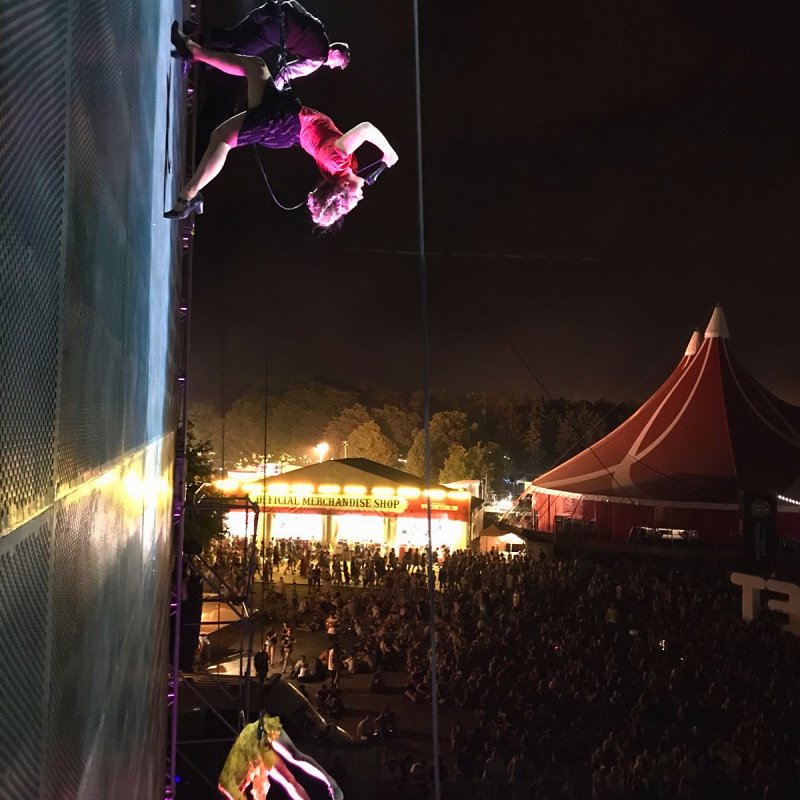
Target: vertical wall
{"points": [[88, 293]]}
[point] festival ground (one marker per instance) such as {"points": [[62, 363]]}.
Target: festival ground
{"points": [[216, 679]]}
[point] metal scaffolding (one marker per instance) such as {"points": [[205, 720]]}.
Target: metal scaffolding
{"points": [[179, 491]]}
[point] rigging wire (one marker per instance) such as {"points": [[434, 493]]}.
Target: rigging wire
{"points": [[423, 271], [264, 571], [573, 257], [223, 347], [269, 185]]}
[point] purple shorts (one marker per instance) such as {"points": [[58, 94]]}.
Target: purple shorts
{"points": [[274, 123]]}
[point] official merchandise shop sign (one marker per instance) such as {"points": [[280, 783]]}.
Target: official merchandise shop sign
{"points": [[392, 506]]}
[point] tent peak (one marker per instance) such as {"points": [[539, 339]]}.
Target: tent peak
{"points": [[694, 343], [717, 326]]}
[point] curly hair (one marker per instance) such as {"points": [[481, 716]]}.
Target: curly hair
{"points": [[332, 199]]}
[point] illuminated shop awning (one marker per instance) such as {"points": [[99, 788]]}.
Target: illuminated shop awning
{"points": [[358, 486]]}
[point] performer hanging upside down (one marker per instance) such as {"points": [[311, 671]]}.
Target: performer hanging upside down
{"points": [[285, 25], [277, 119], [263, 753]]}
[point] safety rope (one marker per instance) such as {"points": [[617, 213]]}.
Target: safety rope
{"points": [[223, 360], [423, 271], [269, 186]]}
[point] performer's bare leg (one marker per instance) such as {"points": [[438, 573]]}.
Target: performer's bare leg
{"points": [[225, 136], [250, 67]]}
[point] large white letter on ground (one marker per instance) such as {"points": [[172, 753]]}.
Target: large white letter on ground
{"points": [[751, 593], [790, 606], [751, 599]]}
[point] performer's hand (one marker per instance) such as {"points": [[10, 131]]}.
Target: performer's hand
{"points": [[390, 158]]}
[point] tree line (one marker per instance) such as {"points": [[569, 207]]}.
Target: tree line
{"points": [[498, 436]]}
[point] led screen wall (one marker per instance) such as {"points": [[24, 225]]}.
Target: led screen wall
{"points": [[88, 297]]}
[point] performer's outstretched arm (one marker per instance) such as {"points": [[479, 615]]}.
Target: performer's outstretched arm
{"points": [[366, 132]]}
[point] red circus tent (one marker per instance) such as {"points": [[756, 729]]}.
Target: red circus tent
{"points": [[708, 438]]}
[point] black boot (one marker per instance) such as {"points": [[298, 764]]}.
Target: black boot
{"points": [[185, 207], [179, 39]]}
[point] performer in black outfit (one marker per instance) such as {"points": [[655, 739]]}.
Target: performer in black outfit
{"points": [[302, 37]]}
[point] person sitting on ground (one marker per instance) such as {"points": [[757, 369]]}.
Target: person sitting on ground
{"points": [[356, 662], [301, 669], [418, 771], [418, 689], [350, 661], [277, 119], [334, 702], [386, 722], [323, 693], [411, 691], [378, 683], [366, 728]]}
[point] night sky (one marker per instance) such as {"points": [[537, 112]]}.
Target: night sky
{"points": [[597, 177]]}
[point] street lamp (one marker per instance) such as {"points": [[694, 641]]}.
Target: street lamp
{"points": [[321, 449], [345, 443]]}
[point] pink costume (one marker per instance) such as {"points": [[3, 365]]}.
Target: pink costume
{"points": [[318, 137]]}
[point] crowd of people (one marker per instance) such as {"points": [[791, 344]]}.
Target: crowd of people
{"points": [[346, 565], [610, 679], [322, 568]]}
